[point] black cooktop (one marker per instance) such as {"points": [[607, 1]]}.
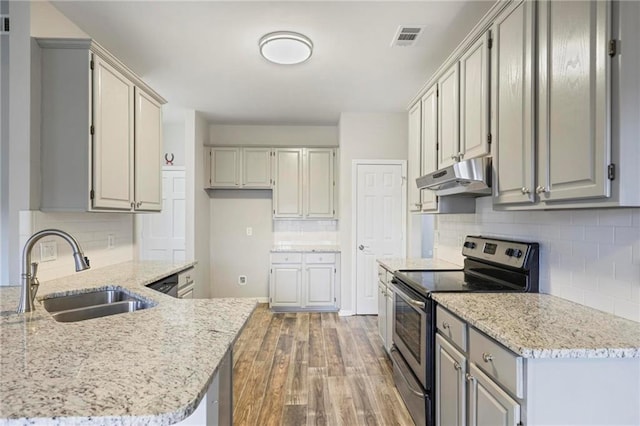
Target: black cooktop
{"points": [[427, 282]]}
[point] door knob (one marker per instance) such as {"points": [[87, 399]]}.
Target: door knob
{"points": [[361, 247]]}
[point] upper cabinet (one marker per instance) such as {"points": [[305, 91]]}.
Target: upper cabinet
{"points": [[448, 117], [233, 167], [304, 183], [101, 131], [413, 166]]}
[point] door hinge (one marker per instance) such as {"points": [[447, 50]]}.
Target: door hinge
{"points": [[91, 64], [335, 271], [437, 146], [437, 92], [4, 24], [489, 138], [335, 300], [611, 171], [271, 271], [92, 194], [613, 47], [92, 130], [274, 212], [334, 212], [490, 43]]}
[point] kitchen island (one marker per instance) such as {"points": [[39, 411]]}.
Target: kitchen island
{"points": [[152, 366]]}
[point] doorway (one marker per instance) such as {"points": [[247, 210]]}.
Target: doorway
{"points": [[379, 224]]}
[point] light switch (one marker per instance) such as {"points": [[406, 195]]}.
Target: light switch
{"points": [[48, 251], [249, 231]]}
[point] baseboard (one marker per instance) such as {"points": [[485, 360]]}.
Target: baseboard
{"points": [[345, 313], [261, 299]]}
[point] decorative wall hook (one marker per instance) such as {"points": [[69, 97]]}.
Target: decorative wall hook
{"points": [[168, 159]]}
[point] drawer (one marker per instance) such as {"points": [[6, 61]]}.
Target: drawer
{"points": [[185, 277], [498, 362], [320, 258], [452, 327], [286, 257], [382, 274]]}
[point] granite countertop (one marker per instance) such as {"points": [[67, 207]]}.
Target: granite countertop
{"points": [[151, 366], [307, 248], [545, 326], [394, 264]]}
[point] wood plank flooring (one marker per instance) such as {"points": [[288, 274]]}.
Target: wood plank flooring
{"points": [[296, 369]]}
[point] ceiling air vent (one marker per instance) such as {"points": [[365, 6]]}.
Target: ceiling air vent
{"points": [[407, 35]]}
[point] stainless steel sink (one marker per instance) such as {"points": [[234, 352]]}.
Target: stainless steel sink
{"points": [[96, 304]]}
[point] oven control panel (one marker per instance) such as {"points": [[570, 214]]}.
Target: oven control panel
{"points": [[510, 253]]}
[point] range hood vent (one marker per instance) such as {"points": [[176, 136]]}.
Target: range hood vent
{"points": [[466, 178]]}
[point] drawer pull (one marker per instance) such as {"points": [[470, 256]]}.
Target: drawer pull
{"points": [[445, 325], [486, 357], [457, 366]]}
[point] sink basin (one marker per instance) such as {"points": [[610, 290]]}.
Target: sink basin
{"points": [[96, 304]]}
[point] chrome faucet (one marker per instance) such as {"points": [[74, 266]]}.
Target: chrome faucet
{"points": [[29, 270]]}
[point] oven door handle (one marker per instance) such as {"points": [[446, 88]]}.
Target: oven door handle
{"points": [[415, 303], [413, 391]]}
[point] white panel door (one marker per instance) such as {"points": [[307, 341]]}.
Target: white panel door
{"points": [[256, 167], [513, 105], [413, 164], [287, 186], [451, 389], [320, 282], [162, 235], [319, 183], [379, 227], [148, 142], [489, 405], [448, 117], [574, 105], [429, 144], [474, 99], [225, 167], [113, 138]]}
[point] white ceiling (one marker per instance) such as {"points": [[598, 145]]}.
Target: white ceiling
{"points": [[204, 55]]}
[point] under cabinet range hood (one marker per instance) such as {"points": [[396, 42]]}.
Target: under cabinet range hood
{"points": [[470, 177]]}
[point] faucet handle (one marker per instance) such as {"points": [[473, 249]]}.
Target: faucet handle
{"points": [[86, 260], [33, 281], [34, 269]]}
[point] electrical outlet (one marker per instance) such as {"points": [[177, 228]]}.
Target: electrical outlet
{"points": [[249, 231], [242, 280], [48, 251], [111, 241]]}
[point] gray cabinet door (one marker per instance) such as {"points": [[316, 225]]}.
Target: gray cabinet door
{"points": [[429, 144], [256, 167], [489, 405], [450, 385], [448, 117], [287, 190], [513, 105], [286, 283], [414, 150], [574, 80], [148, 143], [225, 167], [474, 99], [318, 182]]}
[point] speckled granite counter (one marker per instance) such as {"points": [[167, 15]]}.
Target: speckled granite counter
{"points": [[545, 326], [146, 367], [321, 248], [395, 264]]}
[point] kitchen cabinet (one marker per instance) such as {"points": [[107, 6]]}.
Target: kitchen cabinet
{"points": [[513, 100], [501, 387], [448, 117], [304, 183], [585, 152], [413, 164], [186, 284], [429, 145], [101, 131], [385, 308], [304, 281], [240, 167]]}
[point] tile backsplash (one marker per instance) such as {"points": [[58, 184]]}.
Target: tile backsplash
{"points": [[588, 256], [92, 230], [290, 232]]}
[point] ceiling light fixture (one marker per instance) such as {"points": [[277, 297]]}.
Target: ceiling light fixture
{"points": [[286, 47]]}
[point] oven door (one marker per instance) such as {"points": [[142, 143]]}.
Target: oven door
{"points": [[410, 328]]}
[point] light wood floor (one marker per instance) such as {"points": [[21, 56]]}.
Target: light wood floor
{"points": [[313, 369]]}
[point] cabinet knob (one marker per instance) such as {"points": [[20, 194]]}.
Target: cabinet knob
{"points": [[133, 205], [460, 156], [445, 325], [525, 190], [541, 189], [454, 157], [469, 377], [457, 366], [139, 203], [487, 357]]}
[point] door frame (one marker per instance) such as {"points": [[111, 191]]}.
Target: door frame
{"points": [[354, 218]]}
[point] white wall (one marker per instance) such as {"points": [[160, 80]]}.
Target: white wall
{"points": [[233, 252], [198, 205], [273, 135], [591, 256], [363, 136], [173, 142]]}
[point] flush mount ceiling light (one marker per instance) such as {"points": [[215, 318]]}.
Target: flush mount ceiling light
{"points": [[286, 47]]}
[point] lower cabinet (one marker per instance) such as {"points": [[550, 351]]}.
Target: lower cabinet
{"points": [[385, 308], [304, 281], [479, 382], [382, 312]]}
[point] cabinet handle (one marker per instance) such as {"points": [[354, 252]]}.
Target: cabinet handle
{"points": [[541, 189], [457, 365], [139, 203], [525, 190], [487, 357], [445, 325], [460, 156], [469, 377], [133, 205]]}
